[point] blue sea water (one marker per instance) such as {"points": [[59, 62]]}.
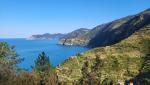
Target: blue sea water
{"points": [[30, 49]]}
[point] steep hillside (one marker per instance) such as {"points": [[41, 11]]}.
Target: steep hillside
{"points": [[76, 33], [121, 61], [72, 36], [112, 32]]}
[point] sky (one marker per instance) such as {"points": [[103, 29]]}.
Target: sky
{"points": [[23, 18]]}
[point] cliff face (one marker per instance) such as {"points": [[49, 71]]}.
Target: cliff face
{"points": [[73, 38], [73, 41], [76, 33], [46, 36], [110, 33]]}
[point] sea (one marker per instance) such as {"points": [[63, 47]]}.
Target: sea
{"points": [[30, 49]]}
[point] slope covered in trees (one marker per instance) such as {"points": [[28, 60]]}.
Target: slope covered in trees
{"points": [[118, 63]]}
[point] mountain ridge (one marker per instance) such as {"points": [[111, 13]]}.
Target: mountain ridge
{"points": [[74, 34], [111, 32], [46, 36]]}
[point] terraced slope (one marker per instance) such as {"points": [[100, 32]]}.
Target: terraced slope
{"points": [[127, 53]]}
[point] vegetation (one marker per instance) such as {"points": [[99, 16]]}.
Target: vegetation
{"points": [[93, 76], [119, 63], [43, 73], [8, 56], [124, 61], [8, 60], [144, 77]]}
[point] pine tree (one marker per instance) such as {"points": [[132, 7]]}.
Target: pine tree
{"points": [[8, 55], [8, 60], [45, 70], [42, 64]]}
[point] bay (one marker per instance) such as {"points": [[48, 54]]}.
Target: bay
{"points": [[30, 49]]}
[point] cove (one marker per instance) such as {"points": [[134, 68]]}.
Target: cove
{"points": [[30, 49]]}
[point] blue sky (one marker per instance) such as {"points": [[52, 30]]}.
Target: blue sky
{"points": [[22, 18]]}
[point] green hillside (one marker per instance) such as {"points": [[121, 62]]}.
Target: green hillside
{"points": [[120, 62]]}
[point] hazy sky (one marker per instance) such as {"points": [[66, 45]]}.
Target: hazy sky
{"points": [[22, 18]]}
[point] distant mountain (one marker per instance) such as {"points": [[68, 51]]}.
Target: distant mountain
{"points": [[46, 36], [76, 33], [112, 32], [73, 35]]}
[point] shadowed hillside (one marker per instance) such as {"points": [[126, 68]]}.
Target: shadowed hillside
{"points": [[112, 32]]}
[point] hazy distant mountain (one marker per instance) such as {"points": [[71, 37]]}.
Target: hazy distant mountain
{"points": [[112, 32], [46, 36], [73, 35], [76, 33]]}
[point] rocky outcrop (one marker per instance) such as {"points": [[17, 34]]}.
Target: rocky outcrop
{"points": [[74, 41], [72, 38]]}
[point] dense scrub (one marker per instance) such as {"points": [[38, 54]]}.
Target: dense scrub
{"points": [[119, 63]]}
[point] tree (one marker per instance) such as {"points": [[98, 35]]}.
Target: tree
{"points": [[42, 64], [8, 55], [8, 60], [45, 70], [93, 76]]}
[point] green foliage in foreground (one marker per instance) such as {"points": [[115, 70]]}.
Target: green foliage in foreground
{"points": [[144, 77], [44, 70], [42, 63], [8, 56], [43, 73], [146, 63]]}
